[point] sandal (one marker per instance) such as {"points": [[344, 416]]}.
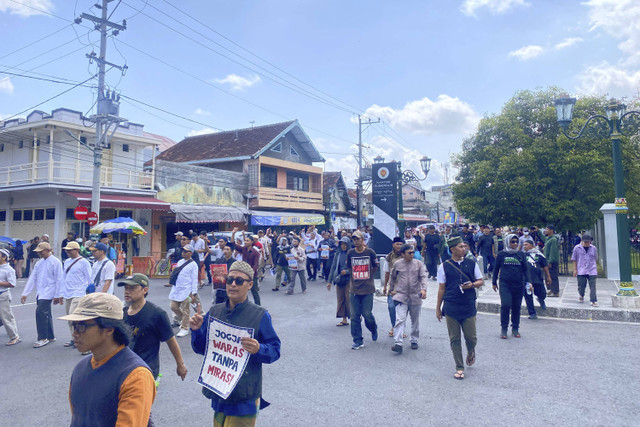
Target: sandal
{"points": [[342, 324], [391, 333], [581, 299], [14, 341], [471, 358], [594, 304], [459, 375]]}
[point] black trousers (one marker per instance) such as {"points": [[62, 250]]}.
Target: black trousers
{"points": [[555, 282], [255, 290], [44, 321], [207, 263], [510, 303], [431, 262]]}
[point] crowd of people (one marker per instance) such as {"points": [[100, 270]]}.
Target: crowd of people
{"points": [[122, 341]]}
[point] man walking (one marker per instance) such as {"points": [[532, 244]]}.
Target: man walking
{"points": [[457, 279], [585, 268], [282, 263], [47, 280], [552, 254], [243, 404], [408, 286], [538, 270], [7, 281], [149, 326], [361, 264], [300, 268], [185, 285], [64, 254], [391, 259], [103, 270], [219, 289], [113, 386], [431, 255], [76, 278]]}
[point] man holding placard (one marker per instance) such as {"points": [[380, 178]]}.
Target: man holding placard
{"points": [[236, 337]]}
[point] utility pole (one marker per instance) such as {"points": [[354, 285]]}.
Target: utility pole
{"points": [[361, 179], [108, 106]]}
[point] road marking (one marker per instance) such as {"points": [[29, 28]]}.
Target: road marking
{"points": [[22, 305]]}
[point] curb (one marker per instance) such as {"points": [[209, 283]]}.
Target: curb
{"points": [[572, 313]]}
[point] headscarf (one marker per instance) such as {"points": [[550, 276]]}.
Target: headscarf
{"points": [[507, 246]]}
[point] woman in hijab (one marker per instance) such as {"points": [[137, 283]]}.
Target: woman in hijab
{"points": [[339, 276], [511, 269]]}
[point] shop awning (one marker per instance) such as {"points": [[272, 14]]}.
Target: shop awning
{"points": [[208, 213], [267, 218], [417, 218], [122, 202]]}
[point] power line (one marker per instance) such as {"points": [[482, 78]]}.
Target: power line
{"points": [[51, 80], [34, 42]]}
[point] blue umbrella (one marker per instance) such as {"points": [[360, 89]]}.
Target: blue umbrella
{"points": [[10, 241], [118, 225]]}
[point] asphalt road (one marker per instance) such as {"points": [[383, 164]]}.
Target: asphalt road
{"points": [[560, 372]]}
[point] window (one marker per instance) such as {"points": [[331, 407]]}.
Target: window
{"points": [[3, 216], [38, 214], [50, 213], [125, 148], [27, 215], [69, 215], [277, 148], [17, 215], [1, 148], [83, 139], [293, 152], [268, 177], [297, 181], [126, 214], [21, 144]]}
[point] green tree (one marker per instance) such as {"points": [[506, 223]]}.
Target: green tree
{"points": [[518, 168]]}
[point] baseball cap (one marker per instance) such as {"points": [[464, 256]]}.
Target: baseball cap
{"points": [[71, 245], [99, 247], [358, 234], [5, 253], [42, 246], [587, 237], [179, 233], [97, 304], [45, 235], [136, 279], [187, 248]]}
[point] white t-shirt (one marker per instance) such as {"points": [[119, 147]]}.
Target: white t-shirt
{"points": [[108, 273], [199, 245]]}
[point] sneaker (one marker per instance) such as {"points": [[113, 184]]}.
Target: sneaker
{"points": [[69, 344], [515, 333], [397, 348], [594, 304], [503, 334], [414, 346], [533, 316], [52, 340], [288, 293], [374, 335], [175, 324], [86, 353], [182, 333], [356, 346], [40, 343], [543, 305]]}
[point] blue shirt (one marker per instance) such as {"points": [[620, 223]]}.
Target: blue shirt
{"points": [[269, 352]]}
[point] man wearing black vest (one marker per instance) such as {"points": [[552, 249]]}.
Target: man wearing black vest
{"points": [[113, 386], [458, 277], [244, 402]]}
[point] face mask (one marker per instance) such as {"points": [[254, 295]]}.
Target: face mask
{"points": [[526, 233]]}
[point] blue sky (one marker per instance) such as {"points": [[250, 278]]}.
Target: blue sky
{"points": [[428, 69]]}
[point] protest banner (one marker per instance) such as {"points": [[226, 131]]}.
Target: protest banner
{"points": [[218, 275], [225, 360], [324, 253], [293, 262]]}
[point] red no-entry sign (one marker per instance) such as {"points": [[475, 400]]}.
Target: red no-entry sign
{"points": [[80, 213], [92, 218]]}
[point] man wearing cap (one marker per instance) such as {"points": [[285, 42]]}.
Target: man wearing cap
{"points": [[242, 406], [113, 386], [177, 247], [47, 279], [7, 281], [110, 252], [64, 244], [361, 264], [76, 278], [585, 267], [457, 279], [149, 326], [186, 285], [103, 270], [391, 259]]}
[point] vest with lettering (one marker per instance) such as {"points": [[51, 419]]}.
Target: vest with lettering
{"points": [[95, 392], [247, 315], [459, 305]]}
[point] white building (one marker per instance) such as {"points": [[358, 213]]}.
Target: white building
{"points": [[45, 172]]}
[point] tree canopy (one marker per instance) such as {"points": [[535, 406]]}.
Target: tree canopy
{"points": [[518, 167]]}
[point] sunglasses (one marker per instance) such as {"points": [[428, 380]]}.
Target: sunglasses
{"points": [[81, 327], [239, 280], [409, 252]]}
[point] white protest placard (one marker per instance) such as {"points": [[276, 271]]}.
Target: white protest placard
{"points": [[225, 360]]}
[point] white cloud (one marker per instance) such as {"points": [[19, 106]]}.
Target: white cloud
{"points": [[202, 131], [5, 85], [201, 112], [445, 115], [27, 8], [496, 7], [621, 20], [568, 42], [239, 83], [527, 52], [608, 79]]}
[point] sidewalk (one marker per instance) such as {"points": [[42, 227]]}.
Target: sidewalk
{"points": [[566, 306]]}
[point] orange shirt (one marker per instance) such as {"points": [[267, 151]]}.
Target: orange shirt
{"points": [[137, 393]]}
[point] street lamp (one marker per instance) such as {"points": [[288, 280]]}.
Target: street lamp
{"points": [[616, 112]]}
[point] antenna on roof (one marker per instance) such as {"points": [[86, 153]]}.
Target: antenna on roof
{"points": [[236, 138], [252, 122]]}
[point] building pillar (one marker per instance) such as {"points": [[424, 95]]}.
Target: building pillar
{"points": [[59, 225], [610, 242]]}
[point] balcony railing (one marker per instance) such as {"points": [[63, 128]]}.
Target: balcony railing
{"points": [[286, 199], [75, 173]]}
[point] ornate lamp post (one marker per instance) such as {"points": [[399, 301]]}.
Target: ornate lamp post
{"points": [[406, 177], [615, 114]]}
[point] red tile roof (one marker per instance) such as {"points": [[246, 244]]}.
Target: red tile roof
{"points": [[220, 145]]}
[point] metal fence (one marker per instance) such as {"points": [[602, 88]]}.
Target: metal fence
{"points": [[635, 258], [565, 246]]}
